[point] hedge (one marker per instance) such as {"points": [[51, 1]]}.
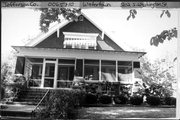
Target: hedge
{"points": [[105, 99], [120, 99], [170, 101], [153, 100], [61, 104], [136, 100], [90, 98]]}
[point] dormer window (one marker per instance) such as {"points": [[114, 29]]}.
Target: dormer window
{"points": [[80, 40]]}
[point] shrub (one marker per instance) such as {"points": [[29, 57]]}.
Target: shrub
{"points": [[120, 99], [136, 100], [61, 104], [105, 99], [90, 98], [153, 100], [2, 92], [170, 101]]}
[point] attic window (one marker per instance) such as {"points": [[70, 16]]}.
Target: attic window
{"points": [[80, 40]]}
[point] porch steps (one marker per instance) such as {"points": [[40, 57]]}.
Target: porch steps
{"points": [[31, 96], [16, 111]]}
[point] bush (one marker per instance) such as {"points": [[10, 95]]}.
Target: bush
{"points": [[170, 101], [105, 99], [2, 92], [90, 98], [153, 100], [136, 100], [120, 99], [61, 104]]}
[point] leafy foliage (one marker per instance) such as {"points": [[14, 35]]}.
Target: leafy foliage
{"points": [[6, 72], [105, 99], [158, 76], [17, 85], [120, 99], [166, 12], [91, 98], [166, 34], [132, 14], [61, 104], [136, 100], [50, 15], [153, 100], [170, 101]]}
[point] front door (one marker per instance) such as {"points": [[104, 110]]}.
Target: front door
{"points": [[49, 75]]}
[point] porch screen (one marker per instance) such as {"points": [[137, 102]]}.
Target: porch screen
{"points": [[125, 71], [66, 69], [108, 71], [79, 67], [65, 74], [34, 71], [91, 69]]}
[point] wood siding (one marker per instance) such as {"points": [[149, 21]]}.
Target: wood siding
{"points": [[20, 64], [84, 26]]}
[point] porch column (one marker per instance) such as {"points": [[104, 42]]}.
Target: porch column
{"points": [[99, 70], [55, 74], [132, 71], [43, 73], [83, 69], [116, 70]]}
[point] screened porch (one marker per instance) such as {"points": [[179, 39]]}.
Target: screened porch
{"points": [[61, 72]]}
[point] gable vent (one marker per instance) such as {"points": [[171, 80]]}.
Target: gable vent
{"points": [[81, 18]]}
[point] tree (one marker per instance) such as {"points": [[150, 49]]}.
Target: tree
{"points": [[7, 68], [158, 74], [50, 15], [164, 35]]}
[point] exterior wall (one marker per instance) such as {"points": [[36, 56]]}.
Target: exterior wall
{"points": [[20, 63], [84, 26]]}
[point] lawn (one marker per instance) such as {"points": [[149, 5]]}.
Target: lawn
{"points": [[125, 112]]}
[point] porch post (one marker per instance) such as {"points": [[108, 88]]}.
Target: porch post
{"points": [[55, 74], [132, 81], [132, 71], [43, 73], [116, 70], [99, 70], [83, 69]]}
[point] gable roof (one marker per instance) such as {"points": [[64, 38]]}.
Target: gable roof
{"points": [[43, 36]]}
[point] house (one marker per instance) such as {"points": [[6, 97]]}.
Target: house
{"points": [[75, 48]]}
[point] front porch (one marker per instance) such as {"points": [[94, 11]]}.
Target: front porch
{"points": [[60, 73], [59, 68]]}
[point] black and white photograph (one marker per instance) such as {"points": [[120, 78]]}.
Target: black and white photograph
{"points": [[90, 60]]}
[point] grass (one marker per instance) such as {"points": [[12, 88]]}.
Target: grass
{"points": [[126, 112]]}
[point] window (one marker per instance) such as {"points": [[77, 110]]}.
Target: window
{"points": [[136, 64]]}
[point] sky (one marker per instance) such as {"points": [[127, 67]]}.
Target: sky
{"points": [[20, 24]]}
